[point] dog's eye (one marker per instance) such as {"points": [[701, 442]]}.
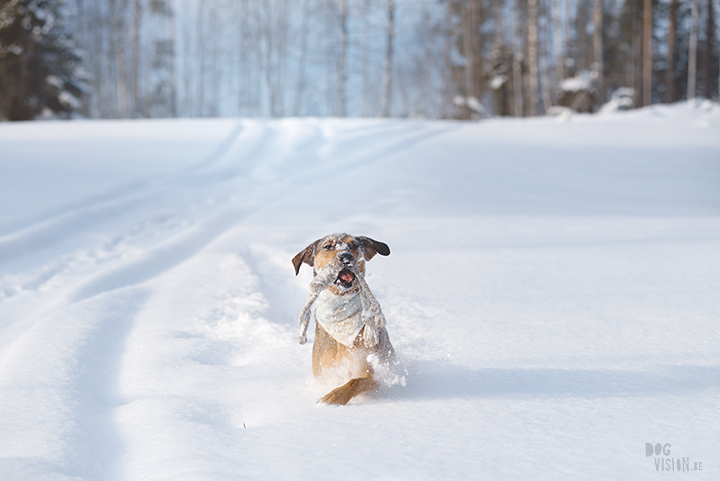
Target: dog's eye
{"points": [[354, 245], [328, 247]]}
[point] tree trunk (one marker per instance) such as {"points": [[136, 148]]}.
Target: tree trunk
{"points": [[302, 60], [117, 19], [135, 81], [387, 72], [647, 53], [172, 81], [469, 33], [567, 28], [365, 60], [637, 51], [692, 51], [598, 64], [709, 48], [200, 59], [214, 58], [558, 45], [517, 62], [533, 56], [544, 67], [342, 63], [670, 73]]}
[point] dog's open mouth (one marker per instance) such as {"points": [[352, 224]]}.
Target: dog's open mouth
{"points": [[345, 278]]}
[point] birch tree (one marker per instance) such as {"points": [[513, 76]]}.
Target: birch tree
{"points": [[533, 57], [342, 60], [670, 56], [709, 47], [692, 51], [135, 57], [517, 57], [469, 17], [598, 65], [647, 53], [387, 70], [558, 47]]}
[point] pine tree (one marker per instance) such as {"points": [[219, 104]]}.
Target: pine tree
{"points": [[39, 65]]}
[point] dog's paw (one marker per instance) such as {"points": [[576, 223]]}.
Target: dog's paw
{"points": [[349, 390], [339, 396], [302, 339]]}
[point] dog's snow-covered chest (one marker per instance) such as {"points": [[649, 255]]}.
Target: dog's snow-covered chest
{"points": [[340, 316]]}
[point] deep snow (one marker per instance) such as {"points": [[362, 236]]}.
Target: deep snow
{"points": [[552, 292]]}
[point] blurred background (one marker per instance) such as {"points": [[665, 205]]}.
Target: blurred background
{"points": [[460, 59]]}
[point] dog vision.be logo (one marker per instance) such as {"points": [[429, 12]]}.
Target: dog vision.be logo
{"points": [[664, 462]]}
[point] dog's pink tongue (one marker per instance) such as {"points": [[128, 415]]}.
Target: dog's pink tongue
{"points": [[347, 276]]}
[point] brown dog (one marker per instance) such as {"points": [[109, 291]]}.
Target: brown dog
{"points": [[350, 329]]}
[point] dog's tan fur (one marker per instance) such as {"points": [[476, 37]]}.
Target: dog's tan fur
{"points": [[328, 354]]}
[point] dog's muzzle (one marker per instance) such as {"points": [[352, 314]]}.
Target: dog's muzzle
{"points": [[346, 277]]}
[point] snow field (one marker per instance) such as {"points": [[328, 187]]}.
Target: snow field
{"points": [[551, 293]]}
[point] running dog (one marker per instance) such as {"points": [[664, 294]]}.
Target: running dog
{"points": [[350, 333]]}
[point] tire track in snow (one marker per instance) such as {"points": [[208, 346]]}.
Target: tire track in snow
{"points": [[64, 257], [156, 260], [271, 267], [332, 172], [79, 217], [75, 355], [69, 361], [218, 218], [196, 365]]}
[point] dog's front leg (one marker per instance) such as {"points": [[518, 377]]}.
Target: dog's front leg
{"points": [[349, 390]]}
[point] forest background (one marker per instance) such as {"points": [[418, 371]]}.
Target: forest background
{"points": [[362, 58]]}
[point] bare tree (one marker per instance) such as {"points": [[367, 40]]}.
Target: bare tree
{"points": [[544, 55], [533, 56], [568, 37], [558, 47], [172, 81], [692, 53], [201, 58], [387, 70], [647, 53], [215, 61], [135, 61], [469, 20], [342, 60], [117, 21], [517, 60], [598, 65], [670, 72], [365, 59], [709, 47], [302, 61]]}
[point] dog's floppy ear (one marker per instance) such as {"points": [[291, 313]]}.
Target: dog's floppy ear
{"points": [[307, 256], [373, 247]]}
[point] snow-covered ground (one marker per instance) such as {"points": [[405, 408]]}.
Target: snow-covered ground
{"points": [[553, 293]]}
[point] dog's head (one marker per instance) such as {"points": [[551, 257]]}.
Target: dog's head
{"points": [[343, 251]]}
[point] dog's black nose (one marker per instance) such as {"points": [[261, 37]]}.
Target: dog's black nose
{"points": [[346, 258]]}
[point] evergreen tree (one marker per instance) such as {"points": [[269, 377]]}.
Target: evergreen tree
{"points": [[39, 65]]}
